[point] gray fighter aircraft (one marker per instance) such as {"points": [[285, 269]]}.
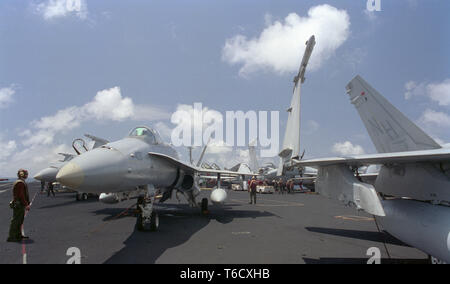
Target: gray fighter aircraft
{"points": [[48, 174], [411, 194], [140, 165]]}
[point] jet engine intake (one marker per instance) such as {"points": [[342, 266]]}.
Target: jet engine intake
{"points": [[187, 182]]}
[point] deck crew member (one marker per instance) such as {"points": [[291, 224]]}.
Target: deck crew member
{"points": [[252, 190], [20, 204]]}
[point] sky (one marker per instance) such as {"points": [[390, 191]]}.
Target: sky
{"points": [[70, 67]]}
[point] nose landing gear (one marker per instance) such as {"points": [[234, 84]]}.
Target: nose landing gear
{"points": [[147, 219]]}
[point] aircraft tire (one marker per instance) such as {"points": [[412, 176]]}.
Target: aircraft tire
{"points": [[204, 205], [152, 226], [154, 222]]}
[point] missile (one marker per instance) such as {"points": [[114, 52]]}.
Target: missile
{"points": [[308, 51]]}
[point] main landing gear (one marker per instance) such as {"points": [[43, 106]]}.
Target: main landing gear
{"points": [[204, 206], [81, 196]]}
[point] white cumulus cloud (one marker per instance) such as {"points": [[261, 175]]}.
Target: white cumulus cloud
{"points": [[6, 96], [414, 89], [52, 9], [38, 148], [281, 44], [347, 148], [7, 148], [438, 92], [34, 159], [436, 118], [107, 105]]}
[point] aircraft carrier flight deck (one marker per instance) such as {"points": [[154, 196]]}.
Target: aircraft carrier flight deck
{"points": [[291, 228]]}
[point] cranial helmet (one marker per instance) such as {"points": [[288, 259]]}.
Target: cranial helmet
{"points": [[22, 173]]}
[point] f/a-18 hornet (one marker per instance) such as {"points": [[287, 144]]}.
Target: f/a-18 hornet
{"points": [[140, 165]]}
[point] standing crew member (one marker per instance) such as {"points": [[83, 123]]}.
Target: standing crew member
{"points": [[252, 190], [20, 203], [42, 185], [50, 189], [282, 186]]}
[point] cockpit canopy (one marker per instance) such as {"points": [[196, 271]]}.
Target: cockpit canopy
{"points": [[149, 135]]}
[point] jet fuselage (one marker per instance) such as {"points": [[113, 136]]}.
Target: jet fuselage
{"points": [[122, 165]]}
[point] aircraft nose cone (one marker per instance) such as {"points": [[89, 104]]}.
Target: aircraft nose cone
{"points": [[38, 176], [47, 175], [71, 175], [95, 171]]}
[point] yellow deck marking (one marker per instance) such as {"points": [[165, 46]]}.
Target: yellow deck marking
{"points": [[286, 204], [354, 218]]}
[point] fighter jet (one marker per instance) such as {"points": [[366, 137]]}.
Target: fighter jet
{"points": [[48, 174], [139, 165], [411, 194]]}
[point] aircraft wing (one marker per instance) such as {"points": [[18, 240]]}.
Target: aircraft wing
{"points": [[337, 181], [437, 155], [192, 169]]}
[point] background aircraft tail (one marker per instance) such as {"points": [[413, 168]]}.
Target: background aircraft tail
{"points": [[389, 129], [291, 142], [252, 155]]}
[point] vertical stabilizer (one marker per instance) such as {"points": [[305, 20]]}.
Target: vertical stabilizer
{"points": [[203, 153], [389, 129], [252, 155], [291, 142]]}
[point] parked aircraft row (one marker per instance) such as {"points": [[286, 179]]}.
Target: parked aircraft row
{"points": [[406, 186]]}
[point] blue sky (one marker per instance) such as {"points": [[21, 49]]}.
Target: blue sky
{"points": [[163, 54]]}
